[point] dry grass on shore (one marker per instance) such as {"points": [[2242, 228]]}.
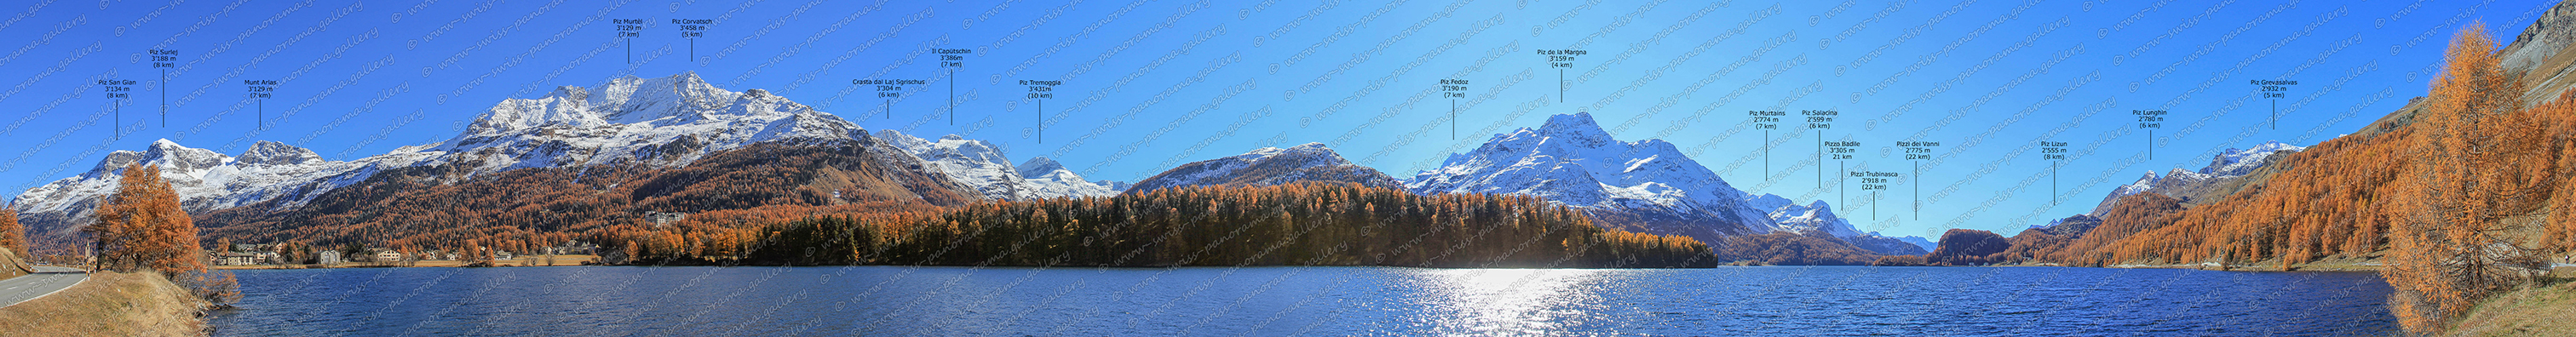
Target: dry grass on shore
{"points": [[109, 304], [2534, 311]]}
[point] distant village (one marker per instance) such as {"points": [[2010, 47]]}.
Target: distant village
{"points": [[288, 256]]}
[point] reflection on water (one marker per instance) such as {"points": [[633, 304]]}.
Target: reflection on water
{"points": [[1268, 301], [1508, 301]]}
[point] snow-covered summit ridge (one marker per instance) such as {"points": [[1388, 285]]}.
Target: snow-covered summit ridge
{"points": [[2143, 183], [2234, 162], [1268, 166], [2225, 167], [275, 153], [1814, 216], [626, 100], [206, 180], [988, 169], [665, 121], [1570, 160], [1046, 178]]}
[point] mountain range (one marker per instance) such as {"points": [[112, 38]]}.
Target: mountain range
{"points": [[2227, 172], [657, 133], [663, 123], [1646, 186]]}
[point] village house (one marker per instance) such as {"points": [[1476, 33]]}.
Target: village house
{"points": [[236, 259], [327, 257], [660, 219]]}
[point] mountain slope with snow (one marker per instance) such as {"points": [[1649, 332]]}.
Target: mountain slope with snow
{"points": [[667, 121], [1045, 178], [204, 179], [984, 166], [1268, 166], [972, 162], [2224, 175], [1646, 186], [655, 122], [1818, 216]]}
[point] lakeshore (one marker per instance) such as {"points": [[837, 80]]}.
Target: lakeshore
{"points": [[566, 260]]}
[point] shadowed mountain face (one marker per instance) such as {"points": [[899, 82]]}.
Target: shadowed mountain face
{"points": [[1961, 247]]}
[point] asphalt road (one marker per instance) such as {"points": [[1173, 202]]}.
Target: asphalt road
{"points": [[46, 280]]}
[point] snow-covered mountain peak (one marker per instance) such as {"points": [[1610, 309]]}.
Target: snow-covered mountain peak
{"points": [[2213, 181], [1571, 161], [2236, 161], [901, 140], [1045, 178], [1769, 201], [1037, 166], [1268, 166], [984, 166], [626, 100], [169, 155], [975, 163], [1577, 128], [2144, 182], [204, 179], [275, 153], [667, 121], [1813, 216], [1313, 154], [661, 121], [950, 146]]}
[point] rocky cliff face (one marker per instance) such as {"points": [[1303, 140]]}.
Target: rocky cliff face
{"points": [[2539, 53]]}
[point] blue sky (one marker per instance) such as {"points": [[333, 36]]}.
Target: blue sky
{"points": [[1149, 85]]}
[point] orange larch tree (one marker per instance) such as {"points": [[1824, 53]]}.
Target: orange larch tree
{"points": [[142, 227], [13, 236], [2448, 250]]}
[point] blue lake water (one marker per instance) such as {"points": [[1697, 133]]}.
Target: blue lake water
{"points": [[1266, 301]]}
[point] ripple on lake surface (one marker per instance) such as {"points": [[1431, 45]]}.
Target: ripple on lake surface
{"points": [[881, 300]]}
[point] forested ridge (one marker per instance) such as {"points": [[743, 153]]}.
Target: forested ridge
{"points": [[1313, 223], [2470, 155], [2464, 194]]}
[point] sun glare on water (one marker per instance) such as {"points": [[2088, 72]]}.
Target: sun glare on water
{"points": [[1509, 301]]}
